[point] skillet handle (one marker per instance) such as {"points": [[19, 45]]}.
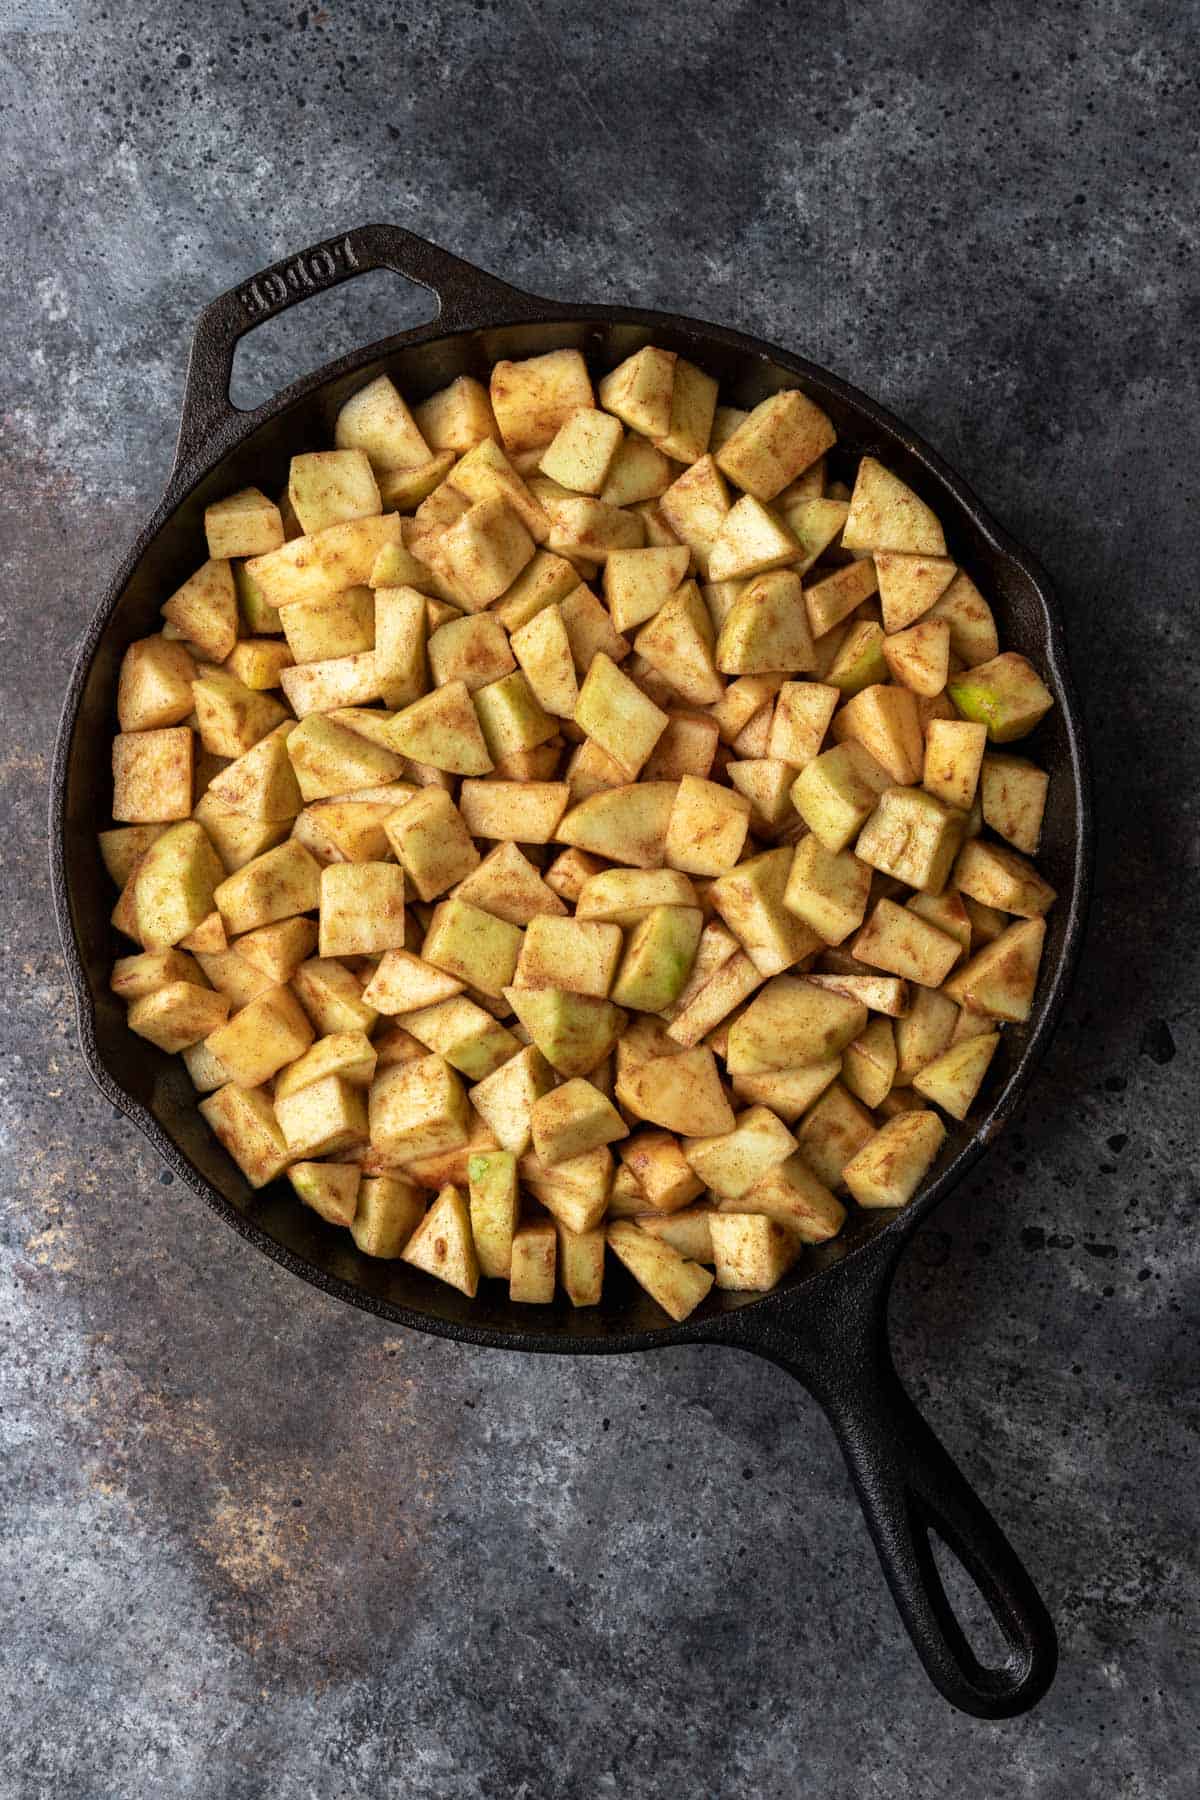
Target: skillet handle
{"points": [[835, 1341], [466, 297]]}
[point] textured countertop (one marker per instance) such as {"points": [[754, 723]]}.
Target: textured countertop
{"points": [[252, 1542]]}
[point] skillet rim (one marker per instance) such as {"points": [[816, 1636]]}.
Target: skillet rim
{"points": [[877, 1254]]}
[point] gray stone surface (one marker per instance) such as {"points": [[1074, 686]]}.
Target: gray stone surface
{"points": [[254, 1543]]}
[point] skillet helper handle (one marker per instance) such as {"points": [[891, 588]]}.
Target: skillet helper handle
{"points": [[908, 1485], [466, 296]]}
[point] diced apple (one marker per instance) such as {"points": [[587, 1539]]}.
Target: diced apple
{"points": [[584, 527], [442, 1244], [625, 824], [669, 1278], [900, 942], [389, 1210], [331, 995], [1006, 694], [693, 403], [912, 837], [330, 1189], [783, 434], [973, 635], [681, 1093], [767, 628], [1013, 793], [869, 1063], [707, 827], [327, 563], [361, 909], [574, 1032], [814, 521], [686, 747], [788, 1092], [442, 729], [324, 1118], [329, 759], [572, 1120], [752, 1252], [953, 1079], [880, 993], [835, 596], [827, 889], [474, 946], [791, 1194], [837, 791], [802, 715], [891, 1166], [953, 756], [885, 514], [582, 450], [832, 1132], [665, 1180], [243, 1120], [177, 1015], [695, 507], [658, 958], [244, 524], [860, 661], [750, 899], [1000, 979], [152, 776], [995, 876], [919, 658], [507, 1098], [732, 982], [750, 541], [347, 1054], [885, 721], [678, 644], [204, 610], [639, 390], [273, 886], [731, 1162], [470, 1039], [533, 397], [617, 715], [458, 416], [577, 955], [177, 880], [417, 1109], [494, 1209], [154, 689], [639, 471]]}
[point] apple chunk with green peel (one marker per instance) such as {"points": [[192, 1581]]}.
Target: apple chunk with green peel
{"points": [[574, 1032], [677, 1284], [658, 959], [1006, 694]]}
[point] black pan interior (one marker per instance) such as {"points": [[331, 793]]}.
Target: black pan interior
{"points": [[162, 1097]]}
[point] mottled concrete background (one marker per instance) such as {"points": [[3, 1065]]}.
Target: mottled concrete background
{"points": [[252, 1543]]}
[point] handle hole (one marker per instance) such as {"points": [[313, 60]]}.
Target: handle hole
{"points": [[981, 1630], [326, 325]]}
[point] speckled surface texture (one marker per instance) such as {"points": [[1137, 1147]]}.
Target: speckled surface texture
{"points": [[253, 1542]]}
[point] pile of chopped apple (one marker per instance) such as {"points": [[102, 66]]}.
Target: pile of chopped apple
{"points": [[569, 819]]}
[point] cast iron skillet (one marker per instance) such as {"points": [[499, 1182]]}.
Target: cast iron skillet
{"points": [[828, 1324]]}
